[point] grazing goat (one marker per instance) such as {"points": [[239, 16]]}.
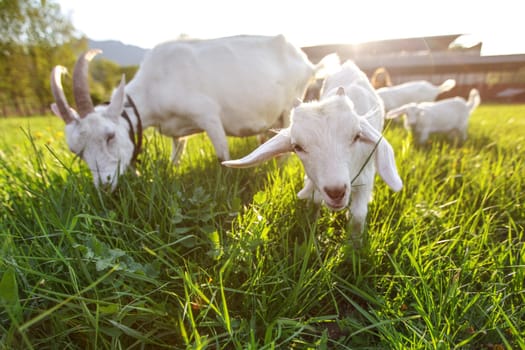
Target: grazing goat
{"points": [[238, 86], [412, 91], [339, 142], [446, 116]]}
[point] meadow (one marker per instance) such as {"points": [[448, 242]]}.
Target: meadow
{"points": [[204, 257]]}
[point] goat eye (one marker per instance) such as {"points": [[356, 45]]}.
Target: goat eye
{"points": [[110, 137], [297, 148], [356, 138]]}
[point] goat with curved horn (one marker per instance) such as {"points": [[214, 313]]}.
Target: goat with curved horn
{"points": [[237, 86]]}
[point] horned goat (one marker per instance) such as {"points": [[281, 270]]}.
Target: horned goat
{"points": [[412, 91], [446, 116], [339, 142], [238, 86]]}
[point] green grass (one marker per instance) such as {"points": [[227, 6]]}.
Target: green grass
{"points": [[200, 256]]}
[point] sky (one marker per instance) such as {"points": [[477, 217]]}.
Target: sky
{"points": [[145, 23]]}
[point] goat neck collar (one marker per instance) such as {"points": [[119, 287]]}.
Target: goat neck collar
{"points": [[136, 138]]}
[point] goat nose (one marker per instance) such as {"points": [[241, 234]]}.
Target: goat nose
{"points": [[336, 193]]}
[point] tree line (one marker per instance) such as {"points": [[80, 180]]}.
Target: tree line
{"points": [[34, 37]]}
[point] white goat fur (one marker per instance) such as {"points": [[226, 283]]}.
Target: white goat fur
{"points": [[334, 138], [412, 91], [445, 116], [236, 86]]}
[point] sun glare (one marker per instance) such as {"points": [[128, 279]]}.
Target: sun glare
{"points": [[305, 23]]}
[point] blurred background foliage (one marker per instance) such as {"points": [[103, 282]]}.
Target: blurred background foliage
{"points": [[34, 37]]}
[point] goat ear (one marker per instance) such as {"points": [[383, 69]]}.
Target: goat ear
{"points": [[396, 112], [275, 146], [73, 117], [55, 110], [384, 158], [117, 101]]}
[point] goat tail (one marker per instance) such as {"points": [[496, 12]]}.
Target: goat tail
{"points": [[328, 65], [447, 85], [474, 100]]}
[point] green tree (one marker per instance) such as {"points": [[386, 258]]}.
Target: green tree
{"points": [[34, 36]]}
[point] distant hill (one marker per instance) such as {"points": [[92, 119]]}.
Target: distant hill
{"points": [[118, 52]]}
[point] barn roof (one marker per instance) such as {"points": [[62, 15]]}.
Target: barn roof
{"points": [[424, 55]]}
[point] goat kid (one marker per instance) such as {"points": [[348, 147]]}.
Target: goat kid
{"points": [[412, 91], [238, 86], [450, 116], [339, 144]]}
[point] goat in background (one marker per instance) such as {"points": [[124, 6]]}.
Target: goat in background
{"points": [[449, 116]]}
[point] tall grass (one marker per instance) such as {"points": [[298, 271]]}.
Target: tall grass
{"points": [[200, 256]]}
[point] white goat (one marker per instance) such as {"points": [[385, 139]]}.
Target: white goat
{"points": [[445, 116], [412, 91], [335, 138], [236, 86]]}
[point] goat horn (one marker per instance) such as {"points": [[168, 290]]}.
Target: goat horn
{"points": [[81, 85], [58, 93]]}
